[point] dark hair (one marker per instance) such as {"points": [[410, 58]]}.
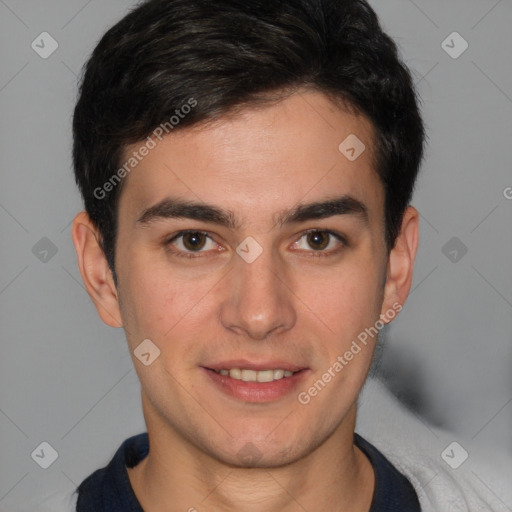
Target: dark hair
{"points": [[221, 55]]}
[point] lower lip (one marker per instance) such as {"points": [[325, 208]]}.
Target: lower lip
{"points": [[256, 391]]}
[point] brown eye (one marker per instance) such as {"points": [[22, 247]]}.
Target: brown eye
{"points": [[194, 241], [318, 240], [192, 244]]}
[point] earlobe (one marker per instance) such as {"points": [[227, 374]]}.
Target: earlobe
{"points": [[401, 264], [94, 269]]}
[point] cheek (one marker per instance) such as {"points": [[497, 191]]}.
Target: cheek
{"points": [[161, 305], [346, 300], [149, 302]]}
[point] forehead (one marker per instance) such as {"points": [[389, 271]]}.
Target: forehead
{"points": [[261, 161]]}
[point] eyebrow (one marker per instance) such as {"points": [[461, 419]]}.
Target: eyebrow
{"points": [[170, 208]]}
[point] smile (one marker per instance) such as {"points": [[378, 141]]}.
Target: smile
{"points": [[255, 376]]}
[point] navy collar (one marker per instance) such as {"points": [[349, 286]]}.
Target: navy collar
{"points": [[109, 488], [393, 491]]}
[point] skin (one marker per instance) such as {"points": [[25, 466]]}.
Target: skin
{"points": [[289, 304]]}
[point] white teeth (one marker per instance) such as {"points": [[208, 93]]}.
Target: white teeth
{"points": [[265, 376], [256, 376], [278, 374], [235, 373], [249, 375]]}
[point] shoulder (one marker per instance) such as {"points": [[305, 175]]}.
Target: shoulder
{"points": [[447, 472], [109, 488]]}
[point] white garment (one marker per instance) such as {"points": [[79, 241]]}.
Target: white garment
{"points": [[482, 483]]}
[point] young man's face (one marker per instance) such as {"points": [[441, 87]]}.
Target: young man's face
{"points": [[298, 305]]}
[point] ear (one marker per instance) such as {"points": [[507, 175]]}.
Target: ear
{"points": [[94, 269], [401, 265]]}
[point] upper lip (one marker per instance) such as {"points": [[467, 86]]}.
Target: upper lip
{"points": [[245, 364]]}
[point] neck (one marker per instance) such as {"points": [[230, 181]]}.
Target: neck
{"points": [[177, 475]]}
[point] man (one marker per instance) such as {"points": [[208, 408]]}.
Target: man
{"points": [[246, 169]]}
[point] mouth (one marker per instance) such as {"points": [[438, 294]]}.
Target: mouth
{"points": [[248, 375], [252, 382]]}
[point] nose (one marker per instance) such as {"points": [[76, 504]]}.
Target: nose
{"points": [[259, 299]]}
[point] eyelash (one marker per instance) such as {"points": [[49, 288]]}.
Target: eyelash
{"points": [[315, 254]]}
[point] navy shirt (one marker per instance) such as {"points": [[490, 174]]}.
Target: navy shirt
{"points": [[109, 489]]}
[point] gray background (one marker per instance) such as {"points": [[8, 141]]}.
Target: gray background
{"points": [[67, 379]]}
